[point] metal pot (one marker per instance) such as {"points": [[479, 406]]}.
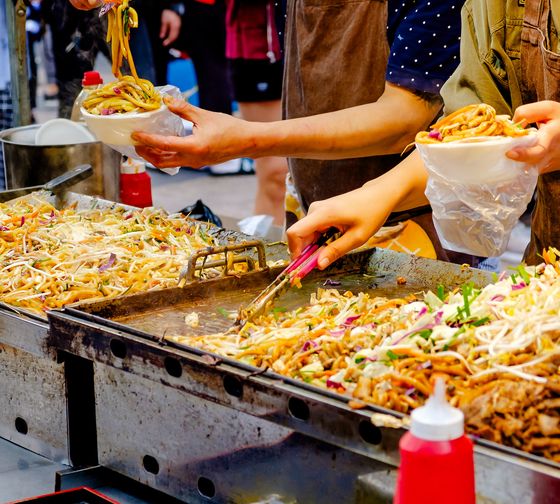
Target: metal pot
{"points": [[28, 164]]}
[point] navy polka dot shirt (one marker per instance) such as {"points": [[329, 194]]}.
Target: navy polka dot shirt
{"points": [[424, 37]]}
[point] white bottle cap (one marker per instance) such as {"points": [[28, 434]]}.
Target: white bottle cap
{"points": [[437, 420], [131, 166]]}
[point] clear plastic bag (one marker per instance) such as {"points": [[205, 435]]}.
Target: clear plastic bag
{"points": [[115, 130], [477, 193]]}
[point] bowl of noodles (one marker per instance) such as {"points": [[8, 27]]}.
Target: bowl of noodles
{"points": [[476, 192], [112, 112], [470, 145]]}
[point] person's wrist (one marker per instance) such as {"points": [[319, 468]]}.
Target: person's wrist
{"points": [[272, 138], [259, 139], [177, 7]]}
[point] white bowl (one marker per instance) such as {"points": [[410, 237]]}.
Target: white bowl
{"points": [[62, 132], [475, 160], [115, 129]]}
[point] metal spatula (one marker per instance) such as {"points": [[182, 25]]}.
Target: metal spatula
{"points": [[57, 184]]}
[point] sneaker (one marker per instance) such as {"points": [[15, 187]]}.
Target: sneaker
{"points": [[241, 166]]}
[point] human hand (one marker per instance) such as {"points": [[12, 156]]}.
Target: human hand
{"points": [[170, 26], [545, 154], [358, 214], [216, 138], [85, 4]]}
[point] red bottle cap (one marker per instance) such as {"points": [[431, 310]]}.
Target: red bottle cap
{"points": [[92, 78]]}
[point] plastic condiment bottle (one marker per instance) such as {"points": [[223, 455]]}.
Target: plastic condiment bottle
{"points": [[91, 81], [437, 464], [135, 184]]}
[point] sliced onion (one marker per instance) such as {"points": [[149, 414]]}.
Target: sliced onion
{"points": [[105, 266]]}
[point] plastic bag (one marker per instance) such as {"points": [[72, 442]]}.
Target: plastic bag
{"points": [[114, 130], [200, 212], [256, 225], [477, 193]]}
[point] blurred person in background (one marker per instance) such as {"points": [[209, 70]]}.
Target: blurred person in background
{"points": [[254, 50], [77, 38], [51, 88], [39, 36], [159, 26], [34, 29], [204, 40]]}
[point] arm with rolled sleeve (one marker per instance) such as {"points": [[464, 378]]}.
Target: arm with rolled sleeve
{"points": [[386, 126], [487, 73]]}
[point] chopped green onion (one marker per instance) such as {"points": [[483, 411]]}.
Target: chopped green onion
{"points": [[424, 333], [523, 273], [481, 321], [393, 356]]}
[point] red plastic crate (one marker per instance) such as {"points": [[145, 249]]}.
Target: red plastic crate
{"points": [[81, 495]]}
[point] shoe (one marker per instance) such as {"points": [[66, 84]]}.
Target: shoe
{"points": [[48, 97], [241, 166], [51, 92]]}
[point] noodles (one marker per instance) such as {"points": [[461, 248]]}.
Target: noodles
{"points": [[470, 122], [129, 93], [498, 348], [50, 257], [126, 95]]}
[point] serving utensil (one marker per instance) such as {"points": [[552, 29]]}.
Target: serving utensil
{"points": [[298, 269], [54, 185]]}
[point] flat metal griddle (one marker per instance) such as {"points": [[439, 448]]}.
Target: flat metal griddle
{"points": [[129, 334]]}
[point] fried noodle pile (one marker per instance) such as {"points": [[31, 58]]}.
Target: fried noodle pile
{"points": [[497, 347], [469, 122], [50, 258]]}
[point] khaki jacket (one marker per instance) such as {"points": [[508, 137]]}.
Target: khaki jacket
{"points": [[490, 68]]}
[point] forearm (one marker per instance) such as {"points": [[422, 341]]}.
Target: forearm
{"points": [[383, 127], [404, 185]]}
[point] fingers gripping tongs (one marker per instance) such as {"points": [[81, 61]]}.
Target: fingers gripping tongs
{"points": [[292, 275]]}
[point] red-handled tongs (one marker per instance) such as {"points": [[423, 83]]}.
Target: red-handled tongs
{"points": [[293, 274]]}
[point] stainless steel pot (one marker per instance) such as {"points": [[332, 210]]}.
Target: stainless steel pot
{"points": [[28, 164]]}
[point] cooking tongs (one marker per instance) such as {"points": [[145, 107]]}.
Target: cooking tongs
{"points": [[57, 184], [291, 275]]}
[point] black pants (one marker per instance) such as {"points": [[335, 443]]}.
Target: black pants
{"points": [[203, 37]]}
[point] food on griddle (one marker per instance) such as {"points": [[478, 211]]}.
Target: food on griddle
{"points": [[472, 121], [129, 93], [498, 348], [192, 319], [50, 258]]}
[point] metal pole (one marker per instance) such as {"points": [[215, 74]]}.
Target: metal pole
{"points": [[17, 40]]}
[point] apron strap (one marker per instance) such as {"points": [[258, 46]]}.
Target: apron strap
{"points": [[535, 21]]}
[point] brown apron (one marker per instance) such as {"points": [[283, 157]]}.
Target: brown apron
{"points": [[540, 80], [336, 56]]}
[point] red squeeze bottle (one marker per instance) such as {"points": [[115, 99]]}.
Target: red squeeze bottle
{"points": [[437, 465], [135, 184]]}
